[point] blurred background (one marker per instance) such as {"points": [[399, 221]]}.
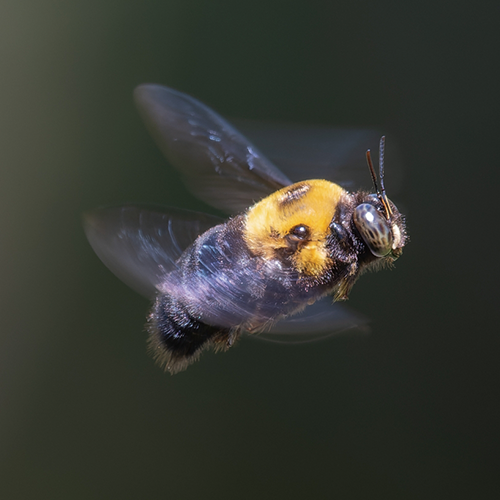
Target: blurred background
{"points": [[410, 411]]}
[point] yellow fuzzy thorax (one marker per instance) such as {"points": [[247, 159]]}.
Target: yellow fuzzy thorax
{"points": [[310, 203]]}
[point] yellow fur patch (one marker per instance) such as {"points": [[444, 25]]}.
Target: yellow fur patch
{"points": [[310, 203]]}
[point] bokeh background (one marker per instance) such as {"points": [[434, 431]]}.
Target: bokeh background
{"points": [[410, 411]]}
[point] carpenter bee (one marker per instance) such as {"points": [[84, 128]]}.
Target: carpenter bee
{"points": [[287, 244]]}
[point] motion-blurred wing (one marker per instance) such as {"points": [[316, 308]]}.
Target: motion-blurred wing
{"points": [[316, 322], [315, 152], [141, 244], [218, 164]]}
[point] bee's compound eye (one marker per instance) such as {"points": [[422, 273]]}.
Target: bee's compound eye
{"points": [[300, 231], [374, 229]]}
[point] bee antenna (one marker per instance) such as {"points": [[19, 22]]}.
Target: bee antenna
{"points": [[382, 196], [381, 151], [372, 171], [380, 193]]}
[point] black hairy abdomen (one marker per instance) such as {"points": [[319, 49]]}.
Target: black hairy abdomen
{"points": [[176, 337], [176, 329]]}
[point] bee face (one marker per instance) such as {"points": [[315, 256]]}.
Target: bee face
{"points": [[383, 234]]}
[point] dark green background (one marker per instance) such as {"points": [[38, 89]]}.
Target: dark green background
{"points": [[409, 412]]}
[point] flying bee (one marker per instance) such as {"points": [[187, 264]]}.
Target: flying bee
{"points": [[287, 246]]}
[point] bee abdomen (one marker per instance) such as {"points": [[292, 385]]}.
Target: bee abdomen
{"points": [[176, 338]]}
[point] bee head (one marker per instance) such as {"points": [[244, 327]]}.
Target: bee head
{"points": [[377, 219]]}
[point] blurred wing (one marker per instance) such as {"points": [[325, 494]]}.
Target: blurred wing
{"points": [[218, 164], [314, 152], [316, 322], [140, 244]]}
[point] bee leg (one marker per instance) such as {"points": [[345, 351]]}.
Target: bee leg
{"points": [[231, 338], [176, 338]]}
